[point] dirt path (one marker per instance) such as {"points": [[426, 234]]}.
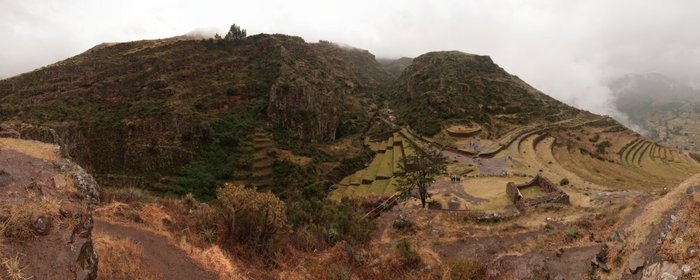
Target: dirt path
{"points": [[161, 258]]}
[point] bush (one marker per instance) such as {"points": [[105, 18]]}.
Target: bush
{"points": [[564, 182], [407, 255], [403, 224], [472, 269], [252, 217], [571, 234]]}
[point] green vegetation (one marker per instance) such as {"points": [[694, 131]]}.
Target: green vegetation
{"points": [[420, 170], [564, 182], [600, 147], [571, 234], [471, 269], [407, 255]]}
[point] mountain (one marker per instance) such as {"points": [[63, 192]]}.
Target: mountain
{"points": [[640, 96], [395, 66], [666, 108], [139, 111], [442, 86]]}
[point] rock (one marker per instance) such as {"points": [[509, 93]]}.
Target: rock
{"points": [[559, 252], [678, 240], [693, 189], [603, 253], [686, 269], [597, 263], [662, 270], [616, 237], [635, 261], [435, 233], [674, 218], [41, 224]]}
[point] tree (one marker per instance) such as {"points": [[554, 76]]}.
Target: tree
{"points": [[420, 171], [251, 217], [235, 33]]}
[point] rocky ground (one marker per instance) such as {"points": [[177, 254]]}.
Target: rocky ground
{"points": [[46, 219]]}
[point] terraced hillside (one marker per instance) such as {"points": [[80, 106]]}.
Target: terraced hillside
{"points": [[378, 178], [160, 112], [440, 87]]}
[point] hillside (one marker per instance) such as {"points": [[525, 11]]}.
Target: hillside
{"points": [[442, 86], [145, 111]]}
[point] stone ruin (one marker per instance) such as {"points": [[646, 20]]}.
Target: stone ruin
{"points": [[552, 194]]}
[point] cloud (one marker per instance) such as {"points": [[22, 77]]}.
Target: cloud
{"points": [[565, 48]]}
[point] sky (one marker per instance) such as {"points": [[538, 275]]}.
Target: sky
{"points": [[568, 49]]}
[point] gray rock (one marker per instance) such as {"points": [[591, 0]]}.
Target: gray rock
{"points": [[597, 263], [635, 261], [693, 189], [559, 252], [662, 270], [674, 218], [616, 237], [686, 269]]}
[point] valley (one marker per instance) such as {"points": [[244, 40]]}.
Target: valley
{"points": [[269, 157]]}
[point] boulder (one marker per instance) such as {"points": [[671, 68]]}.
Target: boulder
{"points": [[662, 270], [635, 261], [693, 189]]}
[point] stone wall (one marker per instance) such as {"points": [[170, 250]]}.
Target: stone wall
{"points": [[552, 193]]}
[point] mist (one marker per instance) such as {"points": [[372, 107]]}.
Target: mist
{"points": [[566, 49]]}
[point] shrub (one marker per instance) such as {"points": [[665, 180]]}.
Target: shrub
{"points": [[14, 270], [564, 182], [571, 234], [252, 217], [612, 221], [403, 224], [472, 269], [407, 255]]}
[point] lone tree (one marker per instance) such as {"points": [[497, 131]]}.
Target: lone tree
{"points": [[235, 33], [420, 171]]}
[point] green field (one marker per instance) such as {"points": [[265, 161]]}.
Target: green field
{"points": [[378, 178]]}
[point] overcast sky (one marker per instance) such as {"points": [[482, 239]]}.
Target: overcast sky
{"points": [[565, 48]]}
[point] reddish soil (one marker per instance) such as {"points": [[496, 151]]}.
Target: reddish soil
{"points": [[163, 259]]}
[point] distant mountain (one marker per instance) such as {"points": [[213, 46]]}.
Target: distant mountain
{"points": [[395, 66], [641, 96]]}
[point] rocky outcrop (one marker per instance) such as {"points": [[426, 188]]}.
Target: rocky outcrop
{"points": [[46, 206]]}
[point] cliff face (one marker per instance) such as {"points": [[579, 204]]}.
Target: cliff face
{"points": [[45, 212], [321, 84]]}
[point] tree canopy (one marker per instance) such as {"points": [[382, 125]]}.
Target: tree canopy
{"points": [[420, 171], [235, 33]]}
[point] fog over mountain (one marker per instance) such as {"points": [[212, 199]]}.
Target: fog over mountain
{"points": [[566, 49]]}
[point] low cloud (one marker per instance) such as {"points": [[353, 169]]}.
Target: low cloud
{"points": [[567, 49]]}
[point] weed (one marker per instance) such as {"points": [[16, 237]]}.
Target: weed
{"points": [[407, 255], [571, 234], [564, 182], [471, 269], [612, 220], [548, 227], [13, 269]]}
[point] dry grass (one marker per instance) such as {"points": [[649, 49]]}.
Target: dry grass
{"points": [[653, 213], [13, 269], [120, 258], [212, 259], [32, 148]]}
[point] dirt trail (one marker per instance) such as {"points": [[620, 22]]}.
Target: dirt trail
{"points": [[162, 259]]}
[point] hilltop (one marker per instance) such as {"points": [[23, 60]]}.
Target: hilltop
{"points": [[143, 108]]}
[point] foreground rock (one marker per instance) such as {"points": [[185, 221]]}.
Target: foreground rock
{"points": [[636, 260], [45, 213]]}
